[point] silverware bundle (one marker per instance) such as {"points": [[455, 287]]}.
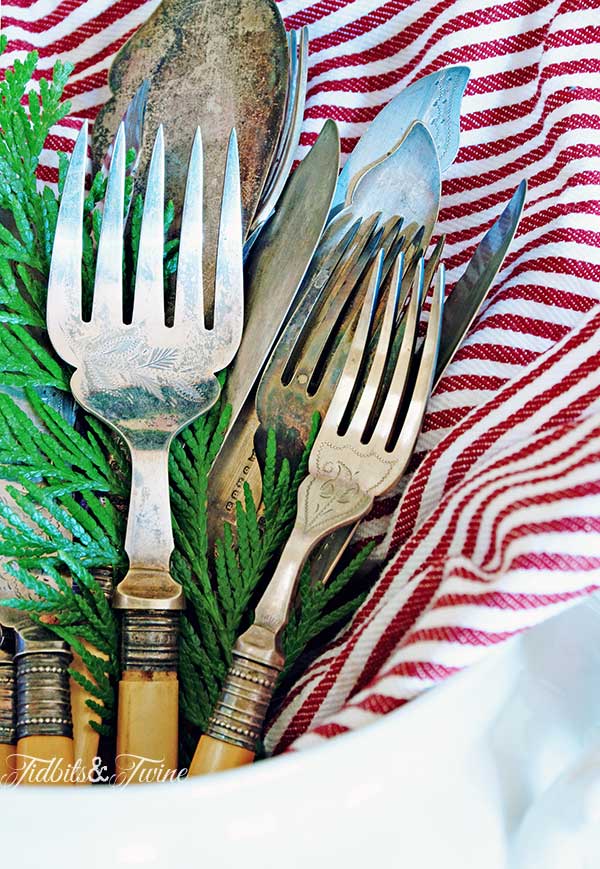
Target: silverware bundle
{"points": [[324, 319]]}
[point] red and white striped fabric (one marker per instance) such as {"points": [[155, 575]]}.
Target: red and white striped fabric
{"points": [[499, 527]]}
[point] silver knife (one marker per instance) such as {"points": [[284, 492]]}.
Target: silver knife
{"points": [[468, 295], [274, 271], [460, 309]]}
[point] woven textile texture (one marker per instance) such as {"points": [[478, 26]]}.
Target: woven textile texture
{"points": [[499, 527]]}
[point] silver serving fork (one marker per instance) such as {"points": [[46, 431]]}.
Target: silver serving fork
{"points": [[361, 451], [147, 380]]}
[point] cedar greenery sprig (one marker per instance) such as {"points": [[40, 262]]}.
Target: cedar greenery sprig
{"points": [[66, 479]]}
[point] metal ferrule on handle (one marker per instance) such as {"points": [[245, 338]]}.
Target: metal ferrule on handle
{"points": [[150, 640], [240, 713], [43, 695], [8, 728]]}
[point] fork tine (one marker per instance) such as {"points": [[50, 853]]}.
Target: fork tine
{"points": [[229, 276], [330, 371], [433, 263], [189, 294], [387, 418], [411, 424], [108, 285], [367, 403], [309, 345], [343, 305], [326, 272], [64, 282], [345, 389], [149, 302], [407, 277]]}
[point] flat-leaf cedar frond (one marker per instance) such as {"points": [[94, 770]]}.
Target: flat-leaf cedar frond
{"points": [[25, 362]]}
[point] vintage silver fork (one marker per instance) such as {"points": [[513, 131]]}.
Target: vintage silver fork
{"points": [[361, 451], [147, 380]]}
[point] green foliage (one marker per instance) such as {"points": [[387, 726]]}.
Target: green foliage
{"points": [[66, 476], [77, 615], [59, 520], [28, 222], [320, 608], [218, 602]]}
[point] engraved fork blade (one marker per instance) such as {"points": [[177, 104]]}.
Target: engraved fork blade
{"points": [[145, 378], [361, 451]]}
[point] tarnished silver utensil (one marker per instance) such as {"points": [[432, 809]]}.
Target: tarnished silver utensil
{"points": [[471, 289], [274, 271], [434, 100], [359, 453], [8, 707], [306, 364], [460, 310], [217, 64], [408, 176], [147, 380], [290, 134], [43, 725], [406, 180]]}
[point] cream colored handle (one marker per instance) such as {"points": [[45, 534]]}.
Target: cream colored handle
{"points": [[7, 763], [85, 738], [147, 727], [44, 760], [238, 717], [213, 755]]}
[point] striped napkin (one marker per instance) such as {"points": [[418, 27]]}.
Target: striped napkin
{"points": [[499, 526]]}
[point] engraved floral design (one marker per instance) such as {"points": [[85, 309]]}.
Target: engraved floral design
{"points": [[339, 489], [136, 383]]}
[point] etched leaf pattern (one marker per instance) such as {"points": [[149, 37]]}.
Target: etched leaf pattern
{"points": [[172, 370], [338, 489]]}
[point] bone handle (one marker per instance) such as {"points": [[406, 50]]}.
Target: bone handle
{"points": [[147, 721], [213, 755], [147, 727], [44, 754], [44, 760], [7, 763], [237, 721]]}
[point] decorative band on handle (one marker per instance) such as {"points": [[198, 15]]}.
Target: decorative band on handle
{"points": [[240, 713], [43, 693], [150, 640], [104, 578], [8, 714]]}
